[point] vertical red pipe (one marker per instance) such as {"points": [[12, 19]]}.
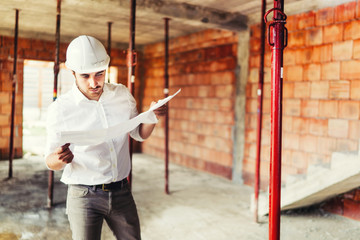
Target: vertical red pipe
{"points": [[278, 39], [56, 73], [166, 93], [259, 110], [13, 95], [109, 47], [131, 69]]}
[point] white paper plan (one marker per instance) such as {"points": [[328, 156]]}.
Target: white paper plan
{"points": [[92, 137]]}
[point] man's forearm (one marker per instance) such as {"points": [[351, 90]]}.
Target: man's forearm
{"points": [[146, 130]]}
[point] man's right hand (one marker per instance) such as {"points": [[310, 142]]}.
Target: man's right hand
{"points": [[64, 153], [61, 156]]}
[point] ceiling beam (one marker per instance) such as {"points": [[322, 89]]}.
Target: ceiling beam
{"points": [[200, 14]]}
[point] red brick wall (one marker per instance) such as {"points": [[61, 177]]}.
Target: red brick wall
{"points": [[36, 50], [321, 91], [202, 115]]}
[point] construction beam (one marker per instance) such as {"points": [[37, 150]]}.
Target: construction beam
{"points": [[203, 15]]}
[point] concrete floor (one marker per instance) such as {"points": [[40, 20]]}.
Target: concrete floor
{"points": [[200, 206]]}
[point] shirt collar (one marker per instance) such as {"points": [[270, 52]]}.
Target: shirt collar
{"points": [[80, 97]]}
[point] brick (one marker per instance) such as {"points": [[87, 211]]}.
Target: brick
{"points": [[326, 145], [330, 71], [293, 73], [4, 120], [308, 143], [290, 57], [309, 108], [354, 129], [314, 37], [324, 17], [346, 145], [333, 33], [319, 90], [5, 97], [288, 90], [300, 125], [266, 106], [318, 127], [299, 161], [345, 12], [224, 91], [328, 108], [297, 39], [306, 20], [349, 109], [312, 72], [251, 105], [292, 107], [291, 141], [305, 55], [302, 90], [253, 75], [267, 90], [355, 89], [356, 49], [255, 31], [351, 30], [338, 128], [254, 61], [350, 69], [255, 45], [339, 89], [342, 50], [322, 53], [291, 23]]}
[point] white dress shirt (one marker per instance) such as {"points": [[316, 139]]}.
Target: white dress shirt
{"points": [[97, 164]]}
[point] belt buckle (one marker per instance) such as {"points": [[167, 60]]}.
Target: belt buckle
{"points": [[104, 188]]}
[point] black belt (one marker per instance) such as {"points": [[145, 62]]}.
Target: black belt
{"points": [[111, 186]]}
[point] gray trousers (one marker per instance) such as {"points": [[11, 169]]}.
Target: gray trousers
{"points": [[87, 208]]}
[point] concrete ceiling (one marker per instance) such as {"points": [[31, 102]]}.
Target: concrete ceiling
{"points": [[38, 17]]}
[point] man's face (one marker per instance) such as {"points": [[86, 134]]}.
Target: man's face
{"points": [[91, 84]]}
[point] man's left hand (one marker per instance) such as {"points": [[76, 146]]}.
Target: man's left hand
{"points": [[160, 111]]}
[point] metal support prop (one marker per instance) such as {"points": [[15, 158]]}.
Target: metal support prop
{"points": [[13, 96], [166, 93], [259, 110], [109, 47], [278, 33], [56, 73], [131, 63]]}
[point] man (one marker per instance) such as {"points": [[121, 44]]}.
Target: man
{"points": [[96, 175]]}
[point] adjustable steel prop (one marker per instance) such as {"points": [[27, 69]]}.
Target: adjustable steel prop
{"points": [[277, 38], [56, 73], [13, 96], [131, 63]]}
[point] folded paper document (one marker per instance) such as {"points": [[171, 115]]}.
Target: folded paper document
{"points": [[82, 138]]}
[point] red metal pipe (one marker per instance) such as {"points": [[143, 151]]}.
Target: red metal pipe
{"points": [[13, 96], [131, 70], [259, 110], [56, 73], [279, 34], [109, 47], [166, 93]]}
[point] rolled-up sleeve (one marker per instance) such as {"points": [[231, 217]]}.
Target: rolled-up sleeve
{"points": [[135, 134]]}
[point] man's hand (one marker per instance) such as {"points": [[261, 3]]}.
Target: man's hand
{"points": [[60, 157], [64, 153], [160, 111]]}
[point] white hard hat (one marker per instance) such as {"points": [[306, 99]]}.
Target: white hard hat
{"points": [[86, 54]]}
